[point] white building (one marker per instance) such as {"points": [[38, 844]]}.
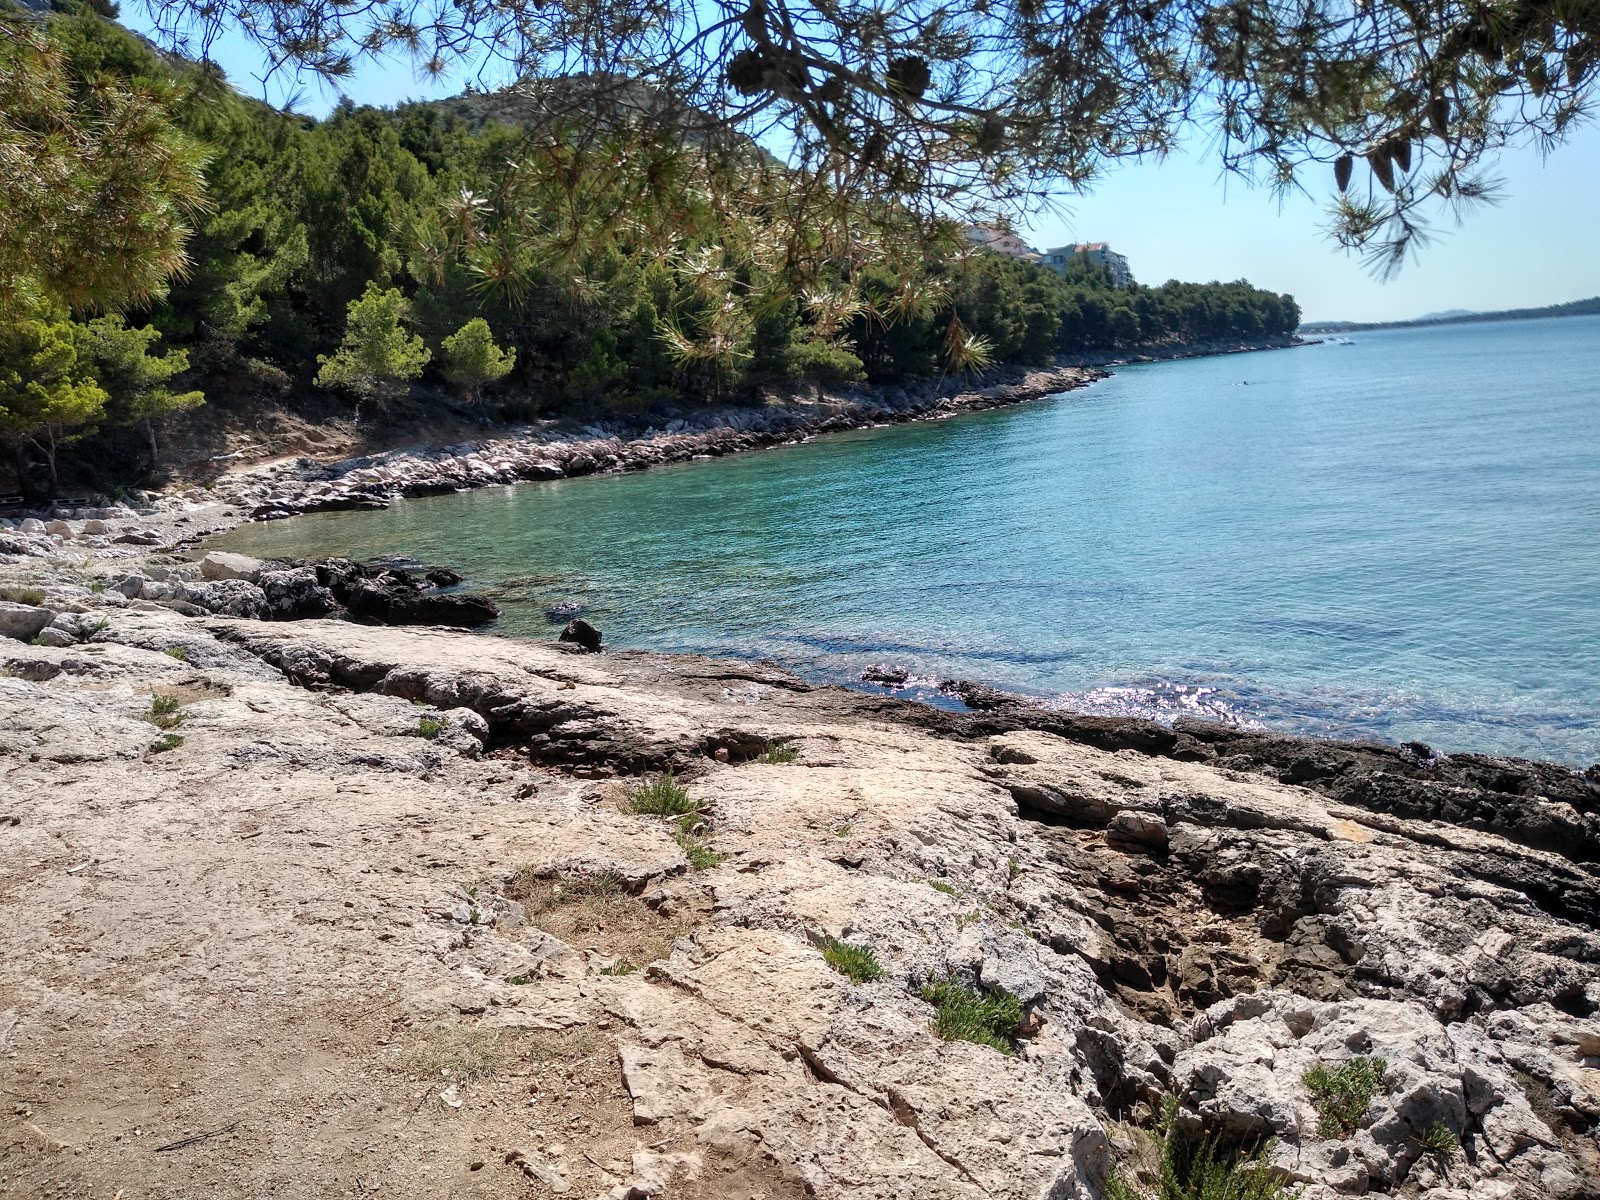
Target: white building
{"points": [[1098, 253], [1000, 241]]}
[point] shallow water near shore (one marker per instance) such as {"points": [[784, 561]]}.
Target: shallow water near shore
{"points": [[1394, 539]]}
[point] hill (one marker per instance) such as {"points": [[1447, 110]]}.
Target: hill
{"points": [[1575, 308]]}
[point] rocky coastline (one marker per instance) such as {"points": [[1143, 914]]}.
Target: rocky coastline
{"points": [[308, 906], [308, 894]]}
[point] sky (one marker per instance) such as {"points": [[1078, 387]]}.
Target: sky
{"points": [[1181, 219]]}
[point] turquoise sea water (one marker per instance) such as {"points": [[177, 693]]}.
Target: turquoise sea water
{"points": [[1398, 539]]}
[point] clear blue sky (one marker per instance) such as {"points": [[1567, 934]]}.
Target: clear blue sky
{"points": [[1180, 219]]}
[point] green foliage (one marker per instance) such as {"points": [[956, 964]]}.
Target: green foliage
{"points": [[969, 1015], [1438, 1140], [940, 885], [48, 394], [856, 963], [177, 652], [662, 796], [165, 712], [431, 727], [1201, 1170], [135, 380], [97, 183], [471, 359], [166, 742], [778, 752], [1342, 1095], [377, 355], [698, 851]]}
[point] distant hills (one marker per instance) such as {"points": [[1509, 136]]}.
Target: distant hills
{"points": [[1459, 316]]}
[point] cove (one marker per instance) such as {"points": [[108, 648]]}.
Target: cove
{"points": [[1394, 539]]}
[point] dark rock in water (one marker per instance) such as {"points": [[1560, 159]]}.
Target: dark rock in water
{"points": [[978, 696], [443, 577], [392, 599], [583, 633], [296, 595], [337, 573], [565, 610], [893, 677]]}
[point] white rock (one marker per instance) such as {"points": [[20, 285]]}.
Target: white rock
{"points": [[23, 621], [219, 564]]}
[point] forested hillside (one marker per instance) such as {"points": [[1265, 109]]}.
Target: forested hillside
{"points": [[506, 264]]}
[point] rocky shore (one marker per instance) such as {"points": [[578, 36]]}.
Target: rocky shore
{"points": [[302, 906], [551, 450]]}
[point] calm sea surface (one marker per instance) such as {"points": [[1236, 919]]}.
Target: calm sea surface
{"points": [[1398, 538]]}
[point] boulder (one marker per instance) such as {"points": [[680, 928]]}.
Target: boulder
{"points": [[32, 525], [582, 633], [391, 598], [131, 586], [219, 564], [227, 598], [95, 528], [50, 635], [296, 595], [139, 537], [1140, 830], [58, 528], [23, 621]]}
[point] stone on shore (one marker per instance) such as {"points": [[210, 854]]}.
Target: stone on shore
{"points": [[219, 564], [581, 633], [23, 621]]}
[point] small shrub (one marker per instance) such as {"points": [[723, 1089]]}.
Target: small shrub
{"points": [[700, 855], [662, 796], [165, 712], [621, 967], [167, 741], [968, 1015], [1437, 1139], [842, 831], [1201, 1170], [431, 727], [856, 963], [1342, 1095], [940, 885], [778, 752], [21, 595], [177, 652]]}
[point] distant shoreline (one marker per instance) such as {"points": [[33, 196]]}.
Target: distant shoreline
{"points": [[1576, 308]]}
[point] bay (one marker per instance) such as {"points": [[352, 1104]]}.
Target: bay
{"points": [[1397, 538]]}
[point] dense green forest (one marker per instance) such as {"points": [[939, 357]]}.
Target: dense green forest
{"points": [[445, 254]]}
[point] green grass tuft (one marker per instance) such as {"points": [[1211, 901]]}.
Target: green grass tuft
{"points": [[1437, 1139], [968, 1015], [21, 595], [778, 752], [621, 967], [177, 652], [940, 885], [431, 727], [662, 796], [167, 741], [165, 712], [1342, 1095], [856, 963]]}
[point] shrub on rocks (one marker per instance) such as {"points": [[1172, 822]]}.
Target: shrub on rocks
{"points": [[965, 1014], [856, 963], [1343, 1094]]}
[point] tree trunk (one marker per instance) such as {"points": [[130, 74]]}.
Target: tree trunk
{"points": [[155, 453]]}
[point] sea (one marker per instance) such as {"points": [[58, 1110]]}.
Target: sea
{"points": [[1393, 537]]}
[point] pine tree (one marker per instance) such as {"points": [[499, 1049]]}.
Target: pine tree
{"points": [[471, 359]]}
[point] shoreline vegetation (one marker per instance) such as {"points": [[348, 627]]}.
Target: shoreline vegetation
{"points": [[467, 261]]}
